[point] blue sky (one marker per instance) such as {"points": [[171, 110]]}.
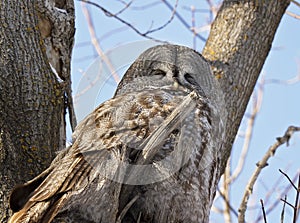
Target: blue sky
{"points": [[280, 107]]}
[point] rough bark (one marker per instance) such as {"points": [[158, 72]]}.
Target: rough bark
{"points": [[239, 42], [238, 45], [32, 100]]}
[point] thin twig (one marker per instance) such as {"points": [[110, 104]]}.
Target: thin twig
{"points": [[289, 179], [276, 203], [127, 5], [289, 204], [293, 80], [145, 34], [87, 88], [287, 135], [259, 166], [146, 6], [296, 3], [283, 209], [213, 8], [232, 209], [193, 27], [226, 193], [263, 210], [256, 105], [181, 19], [296, 202], [103, 37], [188, 8], [169, 21], [293, 15], [97, 45]]}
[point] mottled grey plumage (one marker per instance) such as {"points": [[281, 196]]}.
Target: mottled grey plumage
{"points": [[162, 116]]}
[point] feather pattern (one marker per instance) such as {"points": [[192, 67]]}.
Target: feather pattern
{"points": [[146, 155]]}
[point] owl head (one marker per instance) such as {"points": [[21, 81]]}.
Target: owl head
{"points": [[165, 66], [176, 67]]}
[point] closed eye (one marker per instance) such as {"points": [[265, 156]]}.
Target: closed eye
{"points": [[190, 79], [158, 72]]}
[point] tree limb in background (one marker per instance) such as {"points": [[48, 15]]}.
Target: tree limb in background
{"points": [[226, 191], [263, 210], [256, 105], [275, 203], [293, 15], [260, 165], [182, 20], [96, 44], [283, 209], [297, 188], [229, 178], [143, 34]]}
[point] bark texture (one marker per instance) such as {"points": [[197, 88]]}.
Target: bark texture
{"points": [[239, 42], [32, 100]]}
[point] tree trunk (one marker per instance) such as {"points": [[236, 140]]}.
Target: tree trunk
{"points": [[32, 100], [239, 42]]}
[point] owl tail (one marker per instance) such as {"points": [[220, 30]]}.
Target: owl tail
{"points": [[21, 193], [39, 211], [40, 199], [20, 202]]}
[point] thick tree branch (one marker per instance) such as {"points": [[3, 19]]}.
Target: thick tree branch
{"points": [[239, 42]]}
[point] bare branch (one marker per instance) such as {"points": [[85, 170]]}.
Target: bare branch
{"points": [[213, 8], [193, 27], [276, 203], [257, 101], [293, 80], [293, 15], [91, 84], [168, 22], [228, 203], [259, 166], [226, 191], [181, 19], [145, 34], [127, 5], [287, 135], [188, 8], [103, 37], [146, 6], [286, 202], [296, 202], [289, 179], [263, 210], [283, 209], [296, 3], [97, 45]]}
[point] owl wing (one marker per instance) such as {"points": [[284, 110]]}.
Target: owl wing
{"points": [[101, 143]]}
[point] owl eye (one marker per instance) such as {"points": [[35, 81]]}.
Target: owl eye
{"points": [[190, 79], [158, 72]]}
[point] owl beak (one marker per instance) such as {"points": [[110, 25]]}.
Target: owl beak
{"points": [[176, 85]]}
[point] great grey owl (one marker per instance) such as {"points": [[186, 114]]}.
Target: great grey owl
{"points": [[146, 155]]}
